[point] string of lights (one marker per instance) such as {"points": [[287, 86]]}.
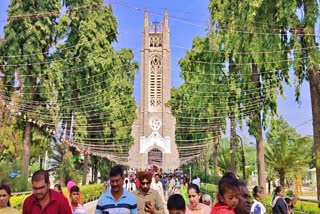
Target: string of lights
{"points": [[116, 148], [246, 26]]}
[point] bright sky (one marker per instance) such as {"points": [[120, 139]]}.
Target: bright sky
{"points": [[186, 21]]}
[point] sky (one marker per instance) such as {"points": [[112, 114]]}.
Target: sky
{"points": [[186, 21]]}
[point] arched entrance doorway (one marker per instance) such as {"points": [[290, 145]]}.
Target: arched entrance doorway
{"points": [[155, 157]]}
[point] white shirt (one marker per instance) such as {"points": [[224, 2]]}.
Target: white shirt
{"points": [[257, 208], [158, 187]]}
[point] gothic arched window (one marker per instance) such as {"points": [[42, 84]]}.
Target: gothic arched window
{"points": [[155, 82]]}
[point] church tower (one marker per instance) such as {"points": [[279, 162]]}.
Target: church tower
{"points": [[154, 130]]}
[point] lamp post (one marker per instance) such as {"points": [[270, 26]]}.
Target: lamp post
{"points": [[243, 159]]}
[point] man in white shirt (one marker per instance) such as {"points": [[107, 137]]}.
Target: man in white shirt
{"points": [[157, 185]]}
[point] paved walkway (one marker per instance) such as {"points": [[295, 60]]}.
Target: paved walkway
{"points": [[91, 207]]}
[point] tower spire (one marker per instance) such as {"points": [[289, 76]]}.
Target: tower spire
{"points": [[165, 19], [154, 129], [146, 19]]}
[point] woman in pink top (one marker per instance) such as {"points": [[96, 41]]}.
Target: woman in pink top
{"points": [[194, 206]]}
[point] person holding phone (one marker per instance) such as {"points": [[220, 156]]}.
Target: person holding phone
{"points": [[148, 199]]}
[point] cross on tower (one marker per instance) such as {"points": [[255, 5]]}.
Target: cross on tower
{"points": [[155, 23]]}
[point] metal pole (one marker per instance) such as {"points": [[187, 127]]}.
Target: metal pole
{"points": [[243, 159]]}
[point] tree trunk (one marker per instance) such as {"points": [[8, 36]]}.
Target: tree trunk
{"points": [[314, 79], [232, 106], [232, 144], [95, 173], [259, 138], [282, 175], [215, 158], [200, 166], [66, 146], [92, 167], [269, 186], [206, 167], [85, 168], [260, 155], [26, 148]]}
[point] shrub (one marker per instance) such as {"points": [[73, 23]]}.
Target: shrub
{"points": [[289, 193], [307, 207], [300, 206], [17, 200], [91, 192], [20, 184], [209, 189]]}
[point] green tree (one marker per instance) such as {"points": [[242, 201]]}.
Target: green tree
{"points": [[10, 134], [307, 60], [95, 95], [259, 58], [197, 103], [283, 151], [28, 36]]}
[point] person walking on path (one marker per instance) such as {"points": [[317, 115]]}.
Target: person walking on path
{"points": [[44, 200], [279, 205], [75, 205], [157, 185], [244, 204], [117, 199], [195, 206], [148, 199], [176, 204], [5, 193], [257, 207], [228, 191]]}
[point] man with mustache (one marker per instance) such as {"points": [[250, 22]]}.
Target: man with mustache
{"points": [[148, 199], [45, 200], [117, 199], [245, 203]]}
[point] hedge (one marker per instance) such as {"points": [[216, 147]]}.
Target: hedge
{"points": [[307, 207], [89, 193], [17, 200], [299, 207], [209, 189]]}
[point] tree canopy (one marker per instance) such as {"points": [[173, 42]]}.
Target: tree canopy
{"points": [[284, 150]]}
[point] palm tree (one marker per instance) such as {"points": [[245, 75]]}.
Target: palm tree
{"points": [[287, 151], [224, 159]]}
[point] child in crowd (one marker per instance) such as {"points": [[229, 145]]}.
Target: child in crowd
{"points": [[228, 190], [57, 187], [257, 207], [289, 204], [176, 204], [76, 207]]}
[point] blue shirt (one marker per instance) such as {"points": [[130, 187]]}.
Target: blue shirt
{"points": [[163, 181], [126, 204]]}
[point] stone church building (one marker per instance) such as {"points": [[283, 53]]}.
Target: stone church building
{"points": [[154, 129]]}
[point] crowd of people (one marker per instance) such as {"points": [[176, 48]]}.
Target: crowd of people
{"points": [[147, 193], [151, 192]]}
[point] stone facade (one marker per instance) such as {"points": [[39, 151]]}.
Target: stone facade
{"points": [[154, 130]]}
